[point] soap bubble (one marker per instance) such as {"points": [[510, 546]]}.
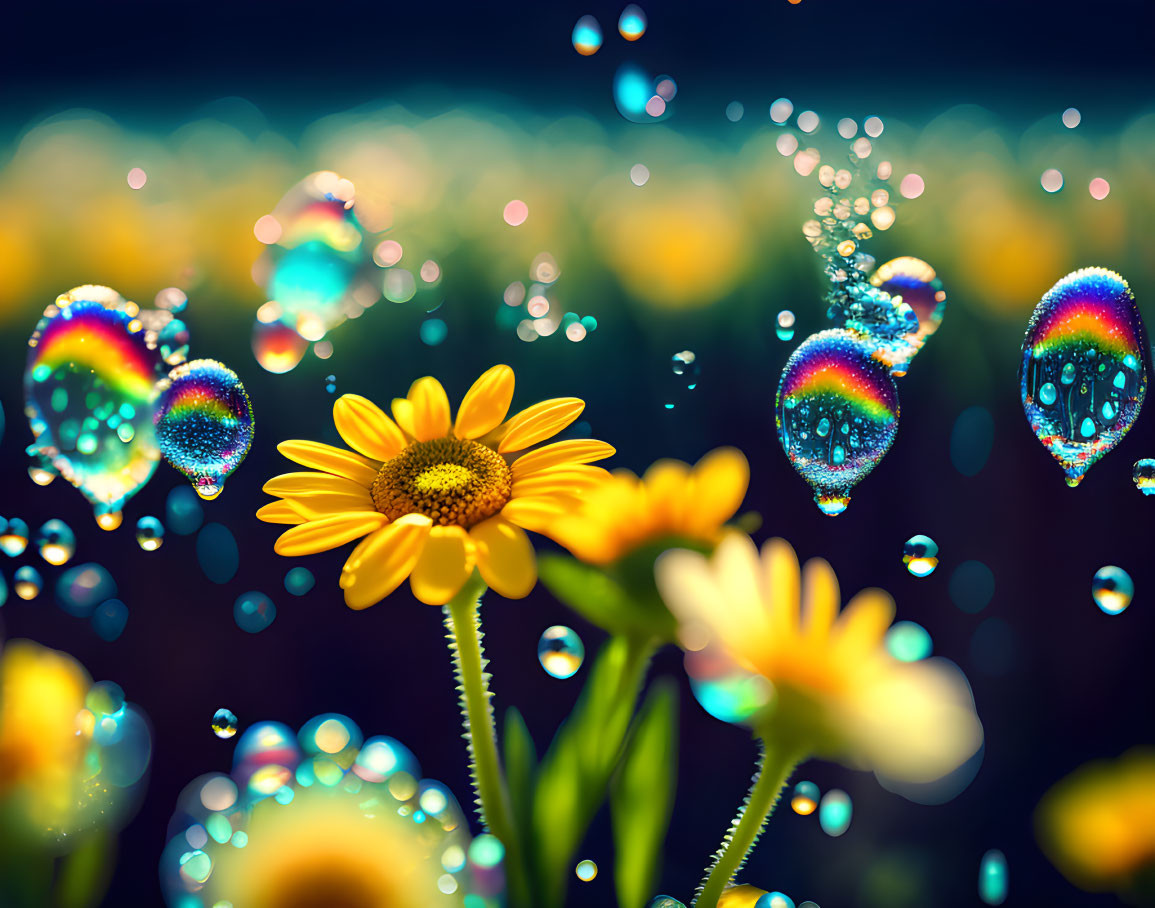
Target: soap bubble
{"points": [[254, 612], [217, 552], [149, 533], [183, 512], [920, 555], [560, 651], [586, 870], [26, 582], [587, 36], [56, 542], [993, 882], [804, 800], [81, 588], [836, 414], [1143, 473], [13, 536], [1083, 376], [299, 580], [109, 620], [835, 812], [89, 387], [1112, 589], [204, 423], [224, 723], [907, 641]]}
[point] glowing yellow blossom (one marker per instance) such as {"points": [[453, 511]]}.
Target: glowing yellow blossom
{"points": [[435, 497], [1098, 824], [835, 691], [671, 502]]}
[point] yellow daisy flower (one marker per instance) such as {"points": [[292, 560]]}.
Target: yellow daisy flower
{"points": [[1097, 825], [672, 501], [433, 496]]}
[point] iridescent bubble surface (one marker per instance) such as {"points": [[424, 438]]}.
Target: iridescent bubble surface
{"points": [[1083, 375], [89, 387], [836, 414], [204, 423], [1112, 589], [835, 812], [665, 901], [560, 651], [920, 555]]}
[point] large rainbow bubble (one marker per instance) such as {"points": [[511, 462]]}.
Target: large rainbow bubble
{"points": [[89, 388], [204, 423], [837, 414], [1083, 375]]}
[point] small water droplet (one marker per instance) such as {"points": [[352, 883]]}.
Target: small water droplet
{"points": [[149, 533], [993, 878], [1112, 589], [560, 651], [13, 536], [907, 641], [224, 723], [1144, 475], [56, 542], [835, 812], [27, 582], [586, 870], [920, 555], [804, 800]]}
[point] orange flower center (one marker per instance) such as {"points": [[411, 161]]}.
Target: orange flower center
{"points": [[449, 480]]}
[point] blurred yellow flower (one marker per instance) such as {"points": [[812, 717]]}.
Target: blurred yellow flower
{"points": [[834, 690], [323, 850], [671, 502], [434, 497], [1097, 825]]}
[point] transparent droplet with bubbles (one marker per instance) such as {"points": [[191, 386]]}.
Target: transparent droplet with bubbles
{"points": [[784, 325], [1112, 589], [149, 533], [920, 555], [993, 878], [56, 542], [27, 582], [804, 799], [835, 812], [224, 723], [1143, 473], [560, 651], [13, 536]]}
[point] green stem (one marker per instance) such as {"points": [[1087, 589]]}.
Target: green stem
{"points": [[463, 621], [774, 769]]}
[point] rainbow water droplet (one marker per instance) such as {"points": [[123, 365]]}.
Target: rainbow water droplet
{"points": [[149, 533], [56, 542], [560, 651], [1143, 473], [907, 641], [204, 423], [993, 878], [804, 800], [587, 36], [27, 582], [13, 536], [224, 723], [1083, 375], [909, 282], [836, 414], [920, 555], [835, 812], [586, 870], [89, 388], [1112, 589]]}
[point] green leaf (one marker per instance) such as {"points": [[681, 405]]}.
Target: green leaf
{"points": [[520, 759], [86, 872], [642, 796], [588, 591]]}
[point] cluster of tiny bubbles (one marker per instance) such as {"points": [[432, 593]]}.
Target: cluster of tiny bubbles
{"points": [[224, 723], [275, 769], [433, 332], [836, 414], [909, 282], [560, 651], [920, 555], [81, 588], [109, 620], [149, 533], [632, 22], [13, 536], [254, 612], [217, 552], [993, 878], [665, 901], [89, 388], [1143, 474], [1083, 376], [183, 512], [204, 423], [318, 268], [972, 586], [992, 648], [277, 348], [971, 440], [56, 542], [587, 36], [907, 641], [586, 870], [724, 690], [835, 811], [299, 580], [804, 799], [784, 325], [641, 98], [1112, 589], [27, 582]]}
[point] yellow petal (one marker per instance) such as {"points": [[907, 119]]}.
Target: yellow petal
{"points": [[380, 563], [536, 514], [744, 618], [505, 557], [445, 564], [430, 409], [539, 422], [485, 404], [586, 537], [279, 512], [339, 462], [580, 450], [720, 481], [366, 428], [862, 624], [780, 583], [667, 494], [402, 409], [300, 485], [820, 598], [567, 480], [328, 533], [315, 505]]}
